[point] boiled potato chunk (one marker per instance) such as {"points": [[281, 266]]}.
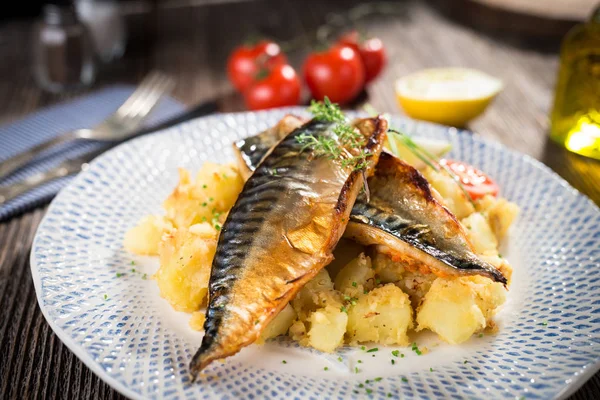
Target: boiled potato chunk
{"points": [[185, 260], [327, 328], [144, 238], [197, 320], [480, 234], [314, 294], [454, 198], [204, 199], [456, 308], [383, 316], [356, 276], [501, 216], [278, 325]]}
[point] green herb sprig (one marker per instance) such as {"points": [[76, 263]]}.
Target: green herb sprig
{"points": [[346, 137]]}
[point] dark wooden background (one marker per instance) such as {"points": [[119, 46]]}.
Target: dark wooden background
{"points": [[192, 44]]}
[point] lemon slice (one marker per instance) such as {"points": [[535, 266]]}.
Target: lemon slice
{"points": [[436, 148], [449, 96]]}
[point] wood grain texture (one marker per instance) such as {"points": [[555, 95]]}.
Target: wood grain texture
{"points": [[192, 44]]}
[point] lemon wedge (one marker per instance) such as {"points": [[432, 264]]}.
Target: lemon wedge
{"points": [[436, 148], [449, 96]]}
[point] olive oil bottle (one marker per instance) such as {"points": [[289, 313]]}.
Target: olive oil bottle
{"points": [[575, 117]]}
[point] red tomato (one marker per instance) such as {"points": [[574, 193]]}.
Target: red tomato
{"points": [[281, 87], [337, 73], [476, 183], [245, 62], [372, 53]]}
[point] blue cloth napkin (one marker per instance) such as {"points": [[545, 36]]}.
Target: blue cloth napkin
{"points": [[38, 127]]}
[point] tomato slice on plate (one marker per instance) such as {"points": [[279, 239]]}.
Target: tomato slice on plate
{"points": [[475, 182]]}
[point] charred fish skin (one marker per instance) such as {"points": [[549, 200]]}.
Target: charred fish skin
{"points": [[251, 150], [393, 227], [421, 222], [282, 230]]}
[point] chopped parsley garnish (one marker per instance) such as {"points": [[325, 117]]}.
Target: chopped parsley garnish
{"points": [[389, 395], [374, 349], [378, 281], [354, 284], [344, 309], [356, 370], [274, 171], [396, 353], [211, 199], [256, 322], [480, 335], [132, 262], [119, 274], [359, 361], [369, 391], [377, 379], [132, 269], [464, 362], [204, 204], [366, 292], [355, 391], [325, 369], [204, 219], [393, 361], [340, 359], [284, 362], [105, 297], [204, 186], [415, 348], [144, 276], [363, 348], [217, 227], [430, 369], [404, 379], [360, 385]]}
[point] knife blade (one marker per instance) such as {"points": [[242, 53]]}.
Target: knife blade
{"points": [[76, 164]]}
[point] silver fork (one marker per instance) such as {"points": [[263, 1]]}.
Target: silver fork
{"points": [[119, 126]]}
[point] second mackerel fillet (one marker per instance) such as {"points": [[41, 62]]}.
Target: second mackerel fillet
{"points": [[279, 234]]}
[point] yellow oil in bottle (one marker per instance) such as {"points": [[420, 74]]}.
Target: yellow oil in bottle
{"points": [[575, 116]]}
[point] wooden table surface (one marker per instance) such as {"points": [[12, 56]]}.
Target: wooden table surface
{"points": [[192, 45]]}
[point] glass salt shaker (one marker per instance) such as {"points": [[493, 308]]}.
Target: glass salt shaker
{"points": [[63, 50], [106, 25]]}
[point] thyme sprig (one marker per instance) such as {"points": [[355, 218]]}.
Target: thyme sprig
{"points": [[338, 147]]}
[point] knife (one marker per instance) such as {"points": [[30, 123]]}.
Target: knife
{"points": [[75, 165]]}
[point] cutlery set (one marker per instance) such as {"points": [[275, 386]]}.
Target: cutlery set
{"points": [[124, 124]]}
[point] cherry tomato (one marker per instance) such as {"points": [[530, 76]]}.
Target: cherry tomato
{"points": [[281, 87], [475, 182], [372, 53], [337, 73], [245, 62]]}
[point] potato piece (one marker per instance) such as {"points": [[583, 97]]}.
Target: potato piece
{"points": [[387, 270], [454, 197], [313, 295], [327, 328], [185, 261], [480, 234], [383, 316], [501, 216], [278, 325], [457, 308], [205, 199], [197, 320], [144, 238], [355, 276]]}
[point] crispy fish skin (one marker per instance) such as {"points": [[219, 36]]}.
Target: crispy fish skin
{"points": [[395, 223], [250, 151], [282, 230], [406, 222]]}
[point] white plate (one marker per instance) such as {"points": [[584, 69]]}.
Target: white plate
{"points": [[134, 341]]}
